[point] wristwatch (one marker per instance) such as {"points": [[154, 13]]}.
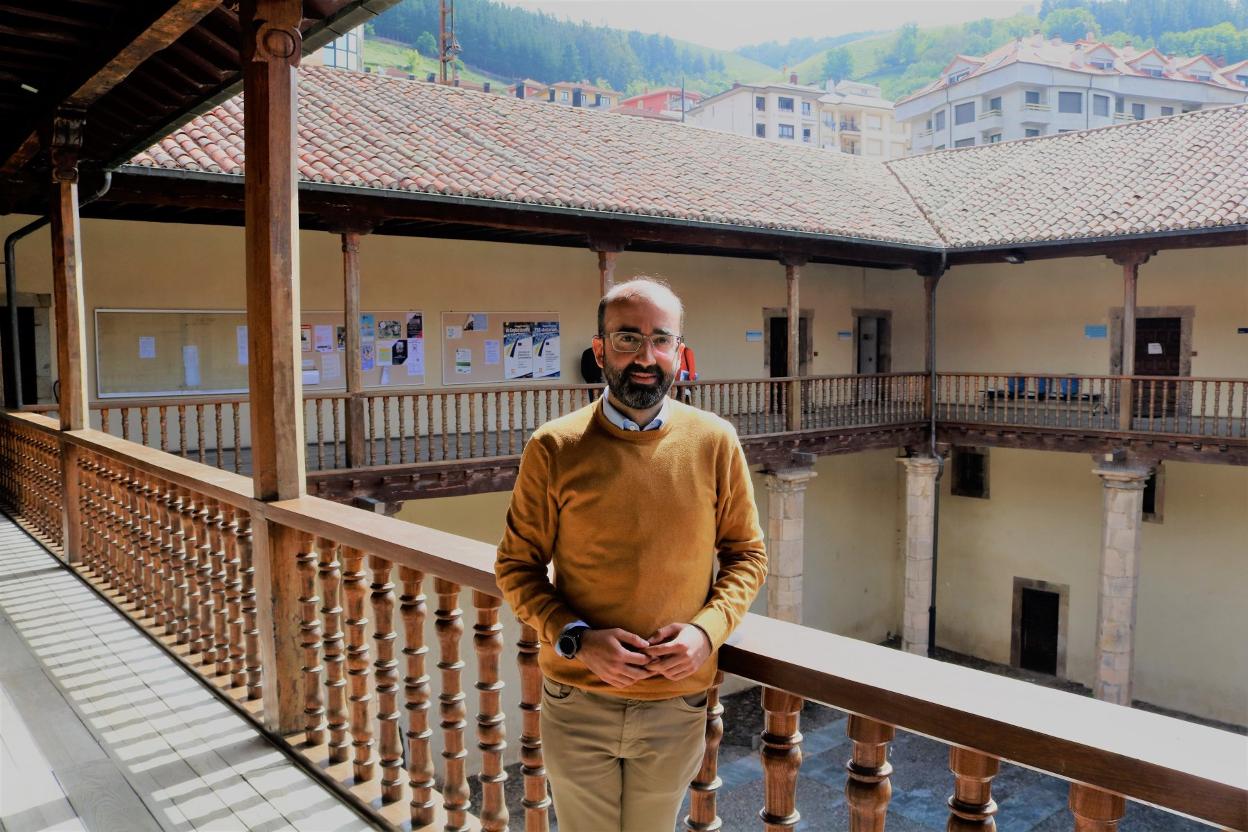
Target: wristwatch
{"points": [[569, 644]]}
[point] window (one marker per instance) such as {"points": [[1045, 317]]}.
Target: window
{"points": [[1031, 132], [1137, 111], [805, 108], [928, 125], [1154, 492], [1100, 105], [874, 122], [1154, 71], [940, 119], [970, 472], [1031, 97], [760, 103], [760, 130], [958, 76], [786, 104], [1102, 64], [1070, 102], [1120, 103], [993, 138], [806, 134], [964, 113], [994, 103], [1167, 111], [964, 143], [786, 131], [563, 96], [1242, 79], [1201, 76]]}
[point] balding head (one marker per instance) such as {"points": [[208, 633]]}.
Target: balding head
{"points": [[650, 289]]}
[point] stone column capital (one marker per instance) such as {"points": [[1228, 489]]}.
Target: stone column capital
{"points": [[1117, 476], [789, 479], [921, 466]]}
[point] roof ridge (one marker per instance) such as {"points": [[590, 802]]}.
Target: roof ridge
{"points": [[927, 217]]}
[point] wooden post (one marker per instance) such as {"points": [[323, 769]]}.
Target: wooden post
{"points": [[1130, 262], [781, 753], [868, 788], [930, 281], [65, 142], [608, 251], [271, 46], [1095, 810], [355, 385], [792, 276]]}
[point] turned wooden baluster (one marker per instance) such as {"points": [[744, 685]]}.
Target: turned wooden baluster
{"points": [[252, 666], [1095, 810], [702, 812], [781, 753], [193, 511], [153, 598], [335, 658], [487, 639], [357, 662], [310, 641], [971, 807], [164, 501], [137, 545], [416, 697], [868, 788], [205, 522], [180, 621], [220, 622], [386, 671], [450, 627], [230, 657], [532, 764]]}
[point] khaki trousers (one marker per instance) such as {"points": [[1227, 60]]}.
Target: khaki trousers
{"points": [[619, 765]]}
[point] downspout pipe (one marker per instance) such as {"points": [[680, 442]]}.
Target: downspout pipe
{"points": [[10, 284], [940, 463]]}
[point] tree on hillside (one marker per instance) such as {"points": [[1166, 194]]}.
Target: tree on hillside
{"points": [[1071, 24], [427, 45], [905, 47], [838, 65]]}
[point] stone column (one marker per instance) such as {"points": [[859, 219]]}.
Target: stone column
{"points": [[1123, 507], [920, 544], [786, 543]]}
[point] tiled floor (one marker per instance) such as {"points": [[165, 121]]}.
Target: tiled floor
{"points": [[101, 730]]}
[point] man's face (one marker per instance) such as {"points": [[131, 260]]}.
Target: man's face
{"points": [[641, 379]]}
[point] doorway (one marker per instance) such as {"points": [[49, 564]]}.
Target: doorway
{"points": [[1038, 637], [1158, 352], [26, 348], [778, 343], [873, 341]]}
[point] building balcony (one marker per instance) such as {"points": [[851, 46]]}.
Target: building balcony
{"points": [[1037, 108], [850, 127], [271, 603]]}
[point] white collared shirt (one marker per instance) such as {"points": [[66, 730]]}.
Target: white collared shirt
{"points": [[622, 422]]}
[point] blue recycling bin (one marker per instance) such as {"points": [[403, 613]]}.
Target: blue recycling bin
{"points": [[1069, 387], [1016, 386], [1042, 388]]}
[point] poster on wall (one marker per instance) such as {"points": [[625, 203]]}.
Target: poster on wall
{"points": [[463, 361], [240, 338], [415, 356], [367, 357], [546, 349], [305, 338], [415, 325], [517, 349]]}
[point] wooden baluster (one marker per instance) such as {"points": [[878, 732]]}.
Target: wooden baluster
{"points": [[125, 423], [472, 424], [459, 426], [199, 432], [487, 638], [357, 662], [370, 423], [1204, 405], [310, 641], [105, 420], [428, 427], [144, 427], [206, 523], [320, 434], [450, 627], [971, 807], [511, 422], [164, 577], [238, 437], [194, 510], [445, 427], [781, 754], [496, 407], [1095, 810], [416, 696], [151, 548], [385, 426], [1217, 406], [386, 672], [702, 815], [252, 666], [233, 660], [536, 802], [334, 658], [335, 412], [868, 789], [220, 625], [402, 430], [216, 422], [181, 621], [182, 430], [524, 417]]}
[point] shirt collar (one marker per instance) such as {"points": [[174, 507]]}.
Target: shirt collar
{"points": [[624, 423]]}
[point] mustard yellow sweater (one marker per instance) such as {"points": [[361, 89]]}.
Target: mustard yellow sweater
{"points": [[634, 522]]}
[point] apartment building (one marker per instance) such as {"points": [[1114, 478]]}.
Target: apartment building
{"points": [[667, 102], [847, 117], [1035, 86]]}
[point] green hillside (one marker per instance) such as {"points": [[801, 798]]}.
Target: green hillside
{"points": [[381, 54]]}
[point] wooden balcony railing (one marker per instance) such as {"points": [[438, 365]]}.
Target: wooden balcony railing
{"points": [[169, 541]]}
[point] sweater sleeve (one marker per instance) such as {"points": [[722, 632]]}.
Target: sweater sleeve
{"points": [[739, 545], [528, 545]]}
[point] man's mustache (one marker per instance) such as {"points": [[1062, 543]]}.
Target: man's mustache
{"points": [[653, 369]]}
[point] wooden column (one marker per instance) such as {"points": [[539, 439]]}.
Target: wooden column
{"points": [[792, 277], [271, 45], [1130, 263], [608, 251], [65, 141], [930, 281], [355, 385]]}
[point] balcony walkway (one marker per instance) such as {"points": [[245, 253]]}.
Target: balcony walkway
{"points": [[101, 729]]}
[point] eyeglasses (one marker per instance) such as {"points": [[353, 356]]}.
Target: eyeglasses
{"points": [[661, 343]]}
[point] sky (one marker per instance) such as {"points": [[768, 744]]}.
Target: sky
{"points": [[728, 24]]}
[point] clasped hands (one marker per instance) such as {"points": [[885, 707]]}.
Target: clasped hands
{"points": [[621, 658]]}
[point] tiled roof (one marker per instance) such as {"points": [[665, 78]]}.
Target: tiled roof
{"points": [[375, 132], [1183, 172]]}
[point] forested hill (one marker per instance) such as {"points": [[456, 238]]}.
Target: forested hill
{"points": [[511, 42]]}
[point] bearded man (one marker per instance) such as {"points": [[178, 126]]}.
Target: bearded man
{"points": [[646, 508]]}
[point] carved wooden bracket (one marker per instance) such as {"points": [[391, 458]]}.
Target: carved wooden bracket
{"points": [[1135, 258], [65, 144], [609, 245], [273, 30], [789, 258]]}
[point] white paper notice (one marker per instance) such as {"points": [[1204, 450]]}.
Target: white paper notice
{"points": [[190, 365], [454, 333], [385, 376], [1154, 349], [311, 375], [331, 366], [493, 352], [323, 337], [463, 361], [240, 335], [415, 356], [147, 346]]}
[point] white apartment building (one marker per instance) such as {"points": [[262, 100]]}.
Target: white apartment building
{"points": [[1035, 87], [848, 117]]}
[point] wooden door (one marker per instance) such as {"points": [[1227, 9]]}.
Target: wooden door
{"points": [[1038, 631], [1158, 352]]}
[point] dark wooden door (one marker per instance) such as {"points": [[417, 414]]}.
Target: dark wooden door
{"points": [[26, 342], [1158, 345], [1038, 636], [778, 354]]}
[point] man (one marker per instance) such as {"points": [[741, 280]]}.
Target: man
{"points": [[634, 498]]}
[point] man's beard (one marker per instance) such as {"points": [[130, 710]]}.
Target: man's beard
{"points": [[637, 396]]}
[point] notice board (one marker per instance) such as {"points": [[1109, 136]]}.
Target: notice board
{"points": [[497, 347], [170, 352]]}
